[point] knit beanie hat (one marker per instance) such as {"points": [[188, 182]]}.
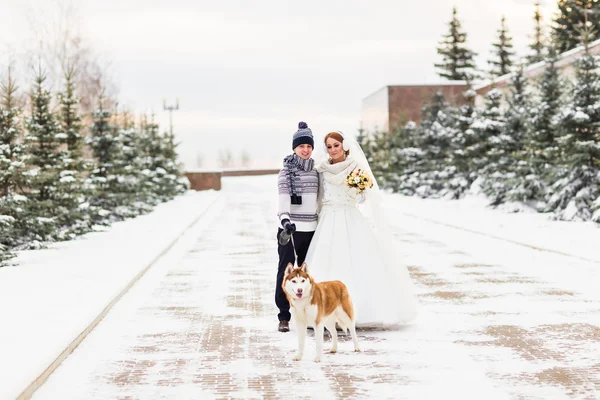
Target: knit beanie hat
{"points": [[303, 136]]}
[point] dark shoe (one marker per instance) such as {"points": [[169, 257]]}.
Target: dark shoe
{"points": [[284, 326]]}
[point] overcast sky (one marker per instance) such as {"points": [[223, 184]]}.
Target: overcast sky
{"points": [[246, 72]]}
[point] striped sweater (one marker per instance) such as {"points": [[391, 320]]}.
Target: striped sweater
{"points": [[307, 185]]}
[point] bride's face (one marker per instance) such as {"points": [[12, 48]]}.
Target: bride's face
{"points": [[335, 150]]}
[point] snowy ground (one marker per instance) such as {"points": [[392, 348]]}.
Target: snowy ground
{"points": [[510, 309], [53, 295]]}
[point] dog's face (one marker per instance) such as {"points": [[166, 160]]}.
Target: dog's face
{"points": [[296, 282]]}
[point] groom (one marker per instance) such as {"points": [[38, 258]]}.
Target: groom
{"points": [[298, 184]]}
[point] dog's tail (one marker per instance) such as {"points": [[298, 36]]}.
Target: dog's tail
{"points": [[347, 319]]}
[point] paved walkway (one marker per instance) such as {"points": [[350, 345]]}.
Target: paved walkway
{"points": [[201, 324]]}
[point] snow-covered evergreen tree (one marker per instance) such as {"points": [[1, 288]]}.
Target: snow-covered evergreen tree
{"points": [[539, 152], [460, 177], [137, 188], [71, 193], [538, 48], [378, 151], [578, 186], [503, 52], [488, 125], [378, 154], [541, 148], [434, 138], [568, 20], [174, 181], [161, 163], [46, 160], [12, 152], [70, 120], [503, 163], [43, 141], [12, 165], [405, 160], [458, 61], [104, 178]]}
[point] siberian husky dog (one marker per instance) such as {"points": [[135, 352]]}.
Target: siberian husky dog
{"points": [[319, 305]]}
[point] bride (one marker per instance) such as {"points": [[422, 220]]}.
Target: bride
{"points": [[353, 244]]}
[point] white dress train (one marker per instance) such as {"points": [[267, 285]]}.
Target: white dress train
{"points": [[346, 248]]}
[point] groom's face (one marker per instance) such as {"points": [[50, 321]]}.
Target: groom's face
{"points": [[304, 151]]}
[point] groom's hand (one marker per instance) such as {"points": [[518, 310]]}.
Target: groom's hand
{"points": [[288, 227], [286, 233]]}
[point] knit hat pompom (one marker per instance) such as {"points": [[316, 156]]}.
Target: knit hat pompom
{"points": [[303, 136]]}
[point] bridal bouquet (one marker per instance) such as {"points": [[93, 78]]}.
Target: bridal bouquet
{"points": [[359, 179]]}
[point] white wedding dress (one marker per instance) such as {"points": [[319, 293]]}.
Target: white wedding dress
{"points": [[356, 247]]}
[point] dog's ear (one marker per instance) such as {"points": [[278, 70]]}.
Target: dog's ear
{"points": [[303, 267], [288, 270]]}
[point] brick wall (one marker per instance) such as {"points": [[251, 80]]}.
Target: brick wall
{"points": [[405, 102], [206, 180]]}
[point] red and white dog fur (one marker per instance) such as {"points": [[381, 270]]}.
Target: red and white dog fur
{"points": [[319, 305]]}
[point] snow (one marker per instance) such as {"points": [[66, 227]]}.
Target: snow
{"points": [[580, 116], [206, 308], [532, 229], [68, 179], [52, 295], [5, 219]]}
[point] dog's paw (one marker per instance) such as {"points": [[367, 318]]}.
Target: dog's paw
{"points": [[297, 357], [333, 350], [318, 359], [357, 349]]}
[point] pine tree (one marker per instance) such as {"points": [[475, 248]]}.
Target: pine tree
{"points": [[43, 139], [508, 143], [12, 165], [71, 193], [368, 144], [434, 142], [104, 177], [70, 119], [537, 47], [486, 139], [46, 160], [136, 188], [570, 18], [405, 161], [579, 183], [540, 149], [378, 152], [461, 178], [457, 59], [161, 162], [518, 105], [12, 161], [503, 52]]}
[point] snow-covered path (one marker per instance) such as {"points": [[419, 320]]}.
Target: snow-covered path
{"points": [[498, 321]]}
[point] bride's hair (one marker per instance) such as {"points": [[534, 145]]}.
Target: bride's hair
{"points": [[338, 137]]}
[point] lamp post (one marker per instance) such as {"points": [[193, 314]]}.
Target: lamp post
{"points": [[171, 109]]}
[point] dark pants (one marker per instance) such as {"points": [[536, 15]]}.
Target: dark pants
{"points": [[287, 255]]}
